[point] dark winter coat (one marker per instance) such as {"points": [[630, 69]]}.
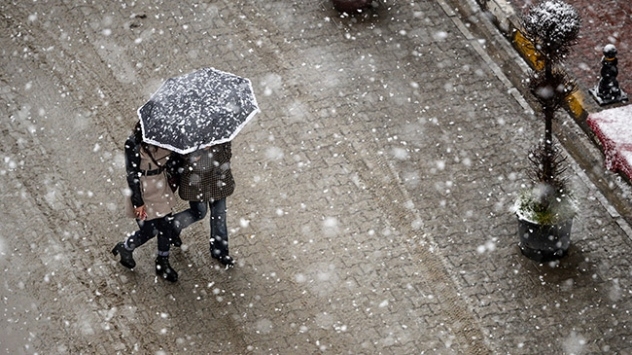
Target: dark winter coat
{"points": [[147, 180], [206, 174]]}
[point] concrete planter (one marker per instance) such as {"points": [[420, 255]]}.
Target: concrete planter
{"points": [[544, 243], [351, 6]]}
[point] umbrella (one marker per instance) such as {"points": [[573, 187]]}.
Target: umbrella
{"points": [[197, 110]]}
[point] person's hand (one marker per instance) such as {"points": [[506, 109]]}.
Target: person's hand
{"points": [[140, 212]]}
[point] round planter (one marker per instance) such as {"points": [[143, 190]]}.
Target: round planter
{"points": [[544, 242], [351, 6]]}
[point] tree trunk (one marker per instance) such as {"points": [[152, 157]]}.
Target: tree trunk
{"points": [[549, 114]]}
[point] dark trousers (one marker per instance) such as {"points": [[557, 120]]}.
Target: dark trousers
{"points": [[160, 227], [197, 211]]}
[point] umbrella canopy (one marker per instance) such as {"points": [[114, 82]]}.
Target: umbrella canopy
{"points": [[197, 110]]}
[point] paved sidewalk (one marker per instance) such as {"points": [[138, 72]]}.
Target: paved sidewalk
{"points": [[372, 214]]}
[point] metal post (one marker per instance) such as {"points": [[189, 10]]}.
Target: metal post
{"points": [[607, 90]]}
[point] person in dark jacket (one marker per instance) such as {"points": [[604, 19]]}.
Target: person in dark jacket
{"points": [[151, 202], [206, 181]]}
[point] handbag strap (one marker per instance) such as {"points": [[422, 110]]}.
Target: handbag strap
{"points": [[151, 156]]}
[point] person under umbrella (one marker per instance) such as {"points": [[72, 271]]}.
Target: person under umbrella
{"points": [[196, 115], [206, 181], [150, 203]]}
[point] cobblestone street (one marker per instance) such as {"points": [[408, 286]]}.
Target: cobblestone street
{"points": [[372, 213]]}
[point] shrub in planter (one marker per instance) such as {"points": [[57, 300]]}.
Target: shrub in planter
{"points": [[546, 209]]}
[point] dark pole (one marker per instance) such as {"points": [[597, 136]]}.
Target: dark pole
{"points": [[549, 115], [553, 26]]}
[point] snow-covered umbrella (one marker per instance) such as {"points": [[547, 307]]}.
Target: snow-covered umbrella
{"points": [[197, 110]]}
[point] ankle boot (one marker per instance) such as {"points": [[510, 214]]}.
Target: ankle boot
{"points": [[164, 270], [127, 258], [227, 261], [175, 240]]}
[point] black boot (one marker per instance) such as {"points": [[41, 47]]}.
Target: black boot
{"points": [[227, 261], [175, 240], [224, 259], [164, 270], [221, 254], [127, 259]]}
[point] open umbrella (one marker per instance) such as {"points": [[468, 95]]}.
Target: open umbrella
{"points": [[197, 110]]}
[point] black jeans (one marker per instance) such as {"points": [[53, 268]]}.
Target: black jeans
{"points": [[160, 227]]}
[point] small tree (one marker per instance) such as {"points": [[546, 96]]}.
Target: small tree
{"points": [[553, 27]]}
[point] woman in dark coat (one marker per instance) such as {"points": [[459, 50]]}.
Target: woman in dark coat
{"points": [[205, 181], [150, 203]]}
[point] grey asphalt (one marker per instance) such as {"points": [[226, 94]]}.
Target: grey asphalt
{"points": [[373, 207]]}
